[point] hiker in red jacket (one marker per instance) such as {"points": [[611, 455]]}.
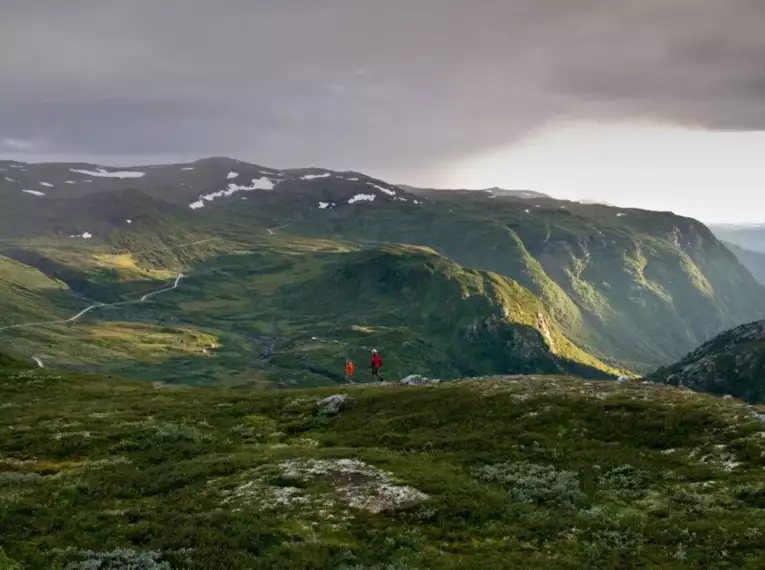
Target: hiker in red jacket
{"points": [[376, 365], [349, 371]]}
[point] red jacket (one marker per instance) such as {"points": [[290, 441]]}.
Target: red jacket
{"points": [[376, 361]]}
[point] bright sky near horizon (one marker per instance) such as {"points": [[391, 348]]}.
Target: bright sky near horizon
{"points": [[714, 176]]}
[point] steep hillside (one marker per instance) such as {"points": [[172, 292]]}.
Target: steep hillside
{"points": [[640, 287], [437, 317], [754, 261], [27, 294], [519, 472], [732, 363]]}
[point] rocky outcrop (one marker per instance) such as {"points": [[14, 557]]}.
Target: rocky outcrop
{"points": [[731, 364]]}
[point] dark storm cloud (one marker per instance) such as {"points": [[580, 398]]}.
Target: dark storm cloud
{"points": [[372, 84]]}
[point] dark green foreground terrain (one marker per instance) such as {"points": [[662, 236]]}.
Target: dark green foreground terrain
{"points": [[513, 472]]}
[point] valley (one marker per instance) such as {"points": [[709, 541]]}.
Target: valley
{"points": [[284, 281]]}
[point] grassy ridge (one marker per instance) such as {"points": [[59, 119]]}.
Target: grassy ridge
{"points": [[519, 472]]}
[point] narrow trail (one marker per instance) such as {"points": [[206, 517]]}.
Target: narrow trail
{"points": [[143, 299], [86, 310]]}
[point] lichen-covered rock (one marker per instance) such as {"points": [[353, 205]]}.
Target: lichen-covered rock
{"points": [[357, 484], [333, 404], [323, 488], [416, 380]]}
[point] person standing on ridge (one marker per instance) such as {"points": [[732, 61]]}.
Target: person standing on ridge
{"points": [[349, 371], [376, 365]]}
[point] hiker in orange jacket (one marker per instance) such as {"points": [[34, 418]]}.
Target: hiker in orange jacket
{"points": [[349, 371], [376, 365]]}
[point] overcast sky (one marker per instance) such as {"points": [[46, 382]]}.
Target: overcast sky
{"points": [[653, 103]]}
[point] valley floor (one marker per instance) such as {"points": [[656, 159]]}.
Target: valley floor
{"points": [[505, 472]]}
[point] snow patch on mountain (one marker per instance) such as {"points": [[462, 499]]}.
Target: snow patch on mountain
{"points": [[69, 182], [314, 176], [101, 173], [231, 175], [188, 168], [388, 191], [9, 179], [46, 184], [34, 192], [361, 197], [257, 184]]}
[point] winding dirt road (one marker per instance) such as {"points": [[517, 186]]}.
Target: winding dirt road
{"points": [[86, 310]]}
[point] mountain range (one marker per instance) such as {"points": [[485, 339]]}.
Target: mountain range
{"points": [[282, 274]]}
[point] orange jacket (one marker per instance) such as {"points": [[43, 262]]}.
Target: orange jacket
{"points": [[349, 369]]}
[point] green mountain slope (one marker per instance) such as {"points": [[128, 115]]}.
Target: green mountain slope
{"points": [[290, 310], [436, 316], [27, 294], [639, 287], [508, 472], [732, 363], [632, 288]]}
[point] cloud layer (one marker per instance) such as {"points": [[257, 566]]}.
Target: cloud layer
{"points": [[380, 85]]}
